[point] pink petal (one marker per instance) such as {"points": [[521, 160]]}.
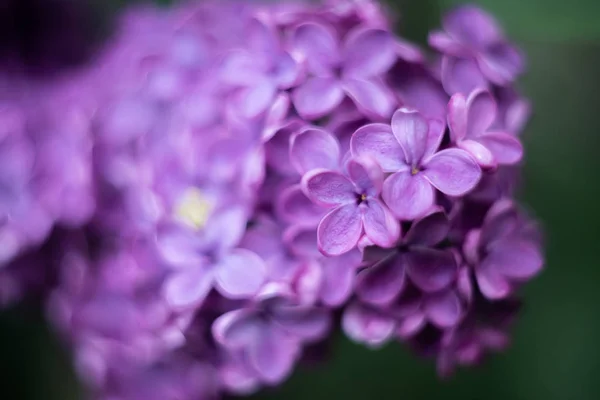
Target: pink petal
{"points": [[377, 141], [431, 269], [370, 96], [328, 187], [411, 325], [506, 148], [368, 52], [408, 196], [380, 225], [443, 309], [317, 97], [411, 130], [340, 230], [452, 171], [481, 112], [318, 44], [381, 283], [240, 274], [314, 148]]}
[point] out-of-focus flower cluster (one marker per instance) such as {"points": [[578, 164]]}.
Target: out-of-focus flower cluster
{"points": [[227, 182]]}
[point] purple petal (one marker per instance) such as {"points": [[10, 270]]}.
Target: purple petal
{"points": [[319, 45], [443, 309], [411, 325], [437, 128], [276, 116], [338, 277], [501, 221], [241, 69], [314, 148], [364, 325], [317, 97], [461, 75], [492, 284], [481, 113], [286, 71], [408, 196], [411, 130], [274, 355], [262, 38], [340, 230], [238, 328], [479, 152], [514, 258], [383, 282], [189, 288], [501, 63], [328, 187], [457, 117], [256, 99], [240, 274], [430, 269], [370, 96], [366, 175], [378, 141], [301, 241], [472, 26], [444, 43], [380, 225], [429, 230], [506, 148], [277, 149], [452, 171], [368, 52], [295, 207], [307, 323]]}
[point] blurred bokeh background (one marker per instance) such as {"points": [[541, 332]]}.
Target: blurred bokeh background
{"points": [[556, 348]]}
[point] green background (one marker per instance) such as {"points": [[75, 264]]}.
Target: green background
{"points": [[556, 350]]}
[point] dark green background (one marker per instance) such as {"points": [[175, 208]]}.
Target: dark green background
{"points": [[556, 349]]}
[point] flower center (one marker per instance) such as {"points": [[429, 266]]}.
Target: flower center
{"points": [[193, 208], [361, 198], [414, 170]]}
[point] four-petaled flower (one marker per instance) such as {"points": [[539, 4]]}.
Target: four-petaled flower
{"points": [[357, 209], [408, 148], [352, 68], [470, 119]]}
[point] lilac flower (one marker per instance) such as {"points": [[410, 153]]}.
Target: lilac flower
{"points": [[505, 251], [470, 119], [475, 50], [369, 325], [260, 73], [430, 269], [353, 68], [358, 210], [271, 332], [409, 149], [200, 262]]}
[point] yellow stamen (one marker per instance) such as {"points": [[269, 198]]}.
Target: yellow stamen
{"points": [[363, 197], [193, 209], [414, 170]]}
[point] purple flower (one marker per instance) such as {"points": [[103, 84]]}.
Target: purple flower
{"points": [[475, 50], [505, 251], [408, 148], [260, 73], [430, 269], [357, 209], [353, 68], [369, 325], [270, 333], [470, 120]]}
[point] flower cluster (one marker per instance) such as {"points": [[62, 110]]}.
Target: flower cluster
{"points": [[200, 204]]}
